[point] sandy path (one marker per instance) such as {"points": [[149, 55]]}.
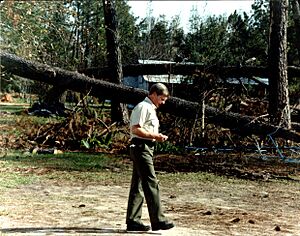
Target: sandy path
{"points": [[57, 210]]}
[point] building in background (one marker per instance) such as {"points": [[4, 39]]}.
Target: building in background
{"points": [[145, 81]]}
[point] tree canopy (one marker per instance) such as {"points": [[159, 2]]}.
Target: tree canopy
{"points": [[71, 34]]}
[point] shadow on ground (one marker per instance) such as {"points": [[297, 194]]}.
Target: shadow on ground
{"points": [[72, 230]]}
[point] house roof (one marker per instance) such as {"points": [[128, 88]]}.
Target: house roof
{"points": [[169, 79]]}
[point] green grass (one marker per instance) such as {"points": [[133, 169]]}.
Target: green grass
{"points": [[65, 162], [13, 108], [24, 168], [11, 180], [18, 168]]}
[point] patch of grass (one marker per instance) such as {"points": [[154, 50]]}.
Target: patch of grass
{"points": [[72, 168], [7, 120], [17, 113], [15, 179], [65, 161], [13, 108], [104, 177]]}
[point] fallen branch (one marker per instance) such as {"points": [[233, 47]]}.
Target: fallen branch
{"points": [[75, 81]]}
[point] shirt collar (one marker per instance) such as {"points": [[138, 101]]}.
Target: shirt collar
{"points": [[147, 99]]}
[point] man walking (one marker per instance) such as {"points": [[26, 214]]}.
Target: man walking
{"points": [[144, 133]]}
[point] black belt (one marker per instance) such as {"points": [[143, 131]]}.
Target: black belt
{"points": [[142, 141]]}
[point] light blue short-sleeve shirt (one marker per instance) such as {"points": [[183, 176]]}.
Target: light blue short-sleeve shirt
{"points": [[144, 115]]}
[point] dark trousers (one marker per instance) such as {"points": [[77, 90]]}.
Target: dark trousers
{"points": [[143, 184]]}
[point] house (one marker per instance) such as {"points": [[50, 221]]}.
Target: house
{"points": [[145, 81], [259, 85]]}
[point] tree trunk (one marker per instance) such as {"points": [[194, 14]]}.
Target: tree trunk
{"points": [[55, 96], [296, 17], [179, 107], [119, 112], [279, 108]]}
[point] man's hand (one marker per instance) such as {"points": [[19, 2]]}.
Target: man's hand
{"points": [[161, 137], [137, 130]]}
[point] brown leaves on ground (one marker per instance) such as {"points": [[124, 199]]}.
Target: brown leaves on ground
{"points": [[249, 167]]}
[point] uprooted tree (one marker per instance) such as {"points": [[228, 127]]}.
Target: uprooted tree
{"points": [[102, 89]]}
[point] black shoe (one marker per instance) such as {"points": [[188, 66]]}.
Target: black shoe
{"points": [[137, 227], [163, 225]]}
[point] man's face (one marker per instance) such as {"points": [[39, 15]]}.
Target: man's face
{"points": [[159, 99]]}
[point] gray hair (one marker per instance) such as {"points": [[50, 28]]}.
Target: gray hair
{"points": [[159, 89]]}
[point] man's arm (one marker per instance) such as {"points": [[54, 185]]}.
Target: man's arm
{"points": [[139, 131]]}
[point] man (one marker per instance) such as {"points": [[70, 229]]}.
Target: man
{"points": [[144, 132]]}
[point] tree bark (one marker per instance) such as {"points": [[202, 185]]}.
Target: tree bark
{"points": [[296, 17], [244, 125], [119, 112], [55, 96], [279, 108]]}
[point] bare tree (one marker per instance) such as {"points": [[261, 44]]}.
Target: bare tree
{"points": [[279, 109], [119, 111]]}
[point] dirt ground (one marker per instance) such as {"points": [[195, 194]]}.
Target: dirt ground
{"points": [[211, 205]]}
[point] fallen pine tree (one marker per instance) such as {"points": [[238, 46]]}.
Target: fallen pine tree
{"points": [[179, 107]]}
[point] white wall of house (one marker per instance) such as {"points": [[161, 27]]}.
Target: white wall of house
{"points": [[143, 82]]}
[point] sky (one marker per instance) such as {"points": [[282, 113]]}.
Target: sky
{"points": [[183, 8]]}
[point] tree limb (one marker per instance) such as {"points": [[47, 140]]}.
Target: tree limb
{"points": [[75, 81]]}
